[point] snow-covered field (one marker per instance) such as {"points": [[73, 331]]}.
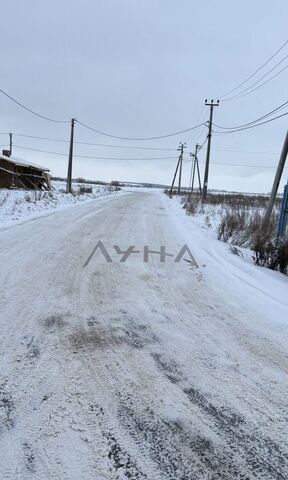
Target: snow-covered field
{"points": [[18, 205], [234, 222], [141, 370]]}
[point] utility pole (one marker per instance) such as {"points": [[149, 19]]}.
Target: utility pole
{"points": [[181, 149], [205, 185], [193, 168], [174, 178], [277, 179], [199, 179], [192, 175], [282, 224], [11, 143], [70, 160]]}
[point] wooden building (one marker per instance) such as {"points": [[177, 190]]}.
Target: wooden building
{"points": [[19, 173]]}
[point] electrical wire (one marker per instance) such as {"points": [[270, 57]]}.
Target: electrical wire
{"points": [[253, 126], [144, 159], [92, 128], [139, 138], [94, 157], [201, 133], [199, 119], [202, 145], [142, 147], [280, 107], [239, 165], [93, 144], [234, 164], [256, 88], [256, 71], [228, 150], [32, 111]]}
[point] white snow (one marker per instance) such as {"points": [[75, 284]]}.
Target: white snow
{"points": [[23, 162], [141, 370], [19, 205]]}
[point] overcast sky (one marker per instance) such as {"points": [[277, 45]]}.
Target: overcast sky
{"points": [[141, 68]]}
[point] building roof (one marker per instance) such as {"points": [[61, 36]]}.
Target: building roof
{"points": [[23, 163]]}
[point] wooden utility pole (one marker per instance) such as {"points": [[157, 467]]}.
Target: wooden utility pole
{"points": [[70, 160], [205, 185], [277, 179], [181, 149]]}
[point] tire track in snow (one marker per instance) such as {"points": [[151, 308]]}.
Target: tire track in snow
{"points": [[111, 399], [263, 457]]}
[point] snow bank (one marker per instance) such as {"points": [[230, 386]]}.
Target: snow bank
{"points": [[235, 275], [18, 205]]}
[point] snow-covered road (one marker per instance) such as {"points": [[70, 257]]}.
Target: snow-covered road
{"points": [[138, 370]]}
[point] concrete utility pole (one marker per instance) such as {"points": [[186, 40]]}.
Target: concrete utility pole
{"points": [[70, 160], [195, 165], [11, 143], [181, 149], [277, 179], [174, 178], [205, 185], [192, 175], [199, 179]]}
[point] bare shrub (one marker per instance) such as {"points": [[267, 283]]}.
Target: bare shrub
{"points": [[272, 254], [235, 251], [82, 190], [239, 200], [3, 200], [232, 224], [245, 228], [207, 221], [193, 203], [38, 194], [27, 198], [282, 255], [241, 225]]}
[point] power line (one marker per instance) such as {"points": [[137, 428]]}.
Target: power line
{"points": [[94, 157], [265, 75], [32, 111], [91, 143], [256, 88], [245, 151], [239, 165], [256, 71], [202, 144], [139, 138], [253, 126], [201, 133], [94, 129], [199, 119], [280, 107], [140, 159]]}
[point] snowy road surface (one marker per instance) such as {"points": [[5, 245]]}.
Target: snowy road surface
{"points": [[133, 370]]}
